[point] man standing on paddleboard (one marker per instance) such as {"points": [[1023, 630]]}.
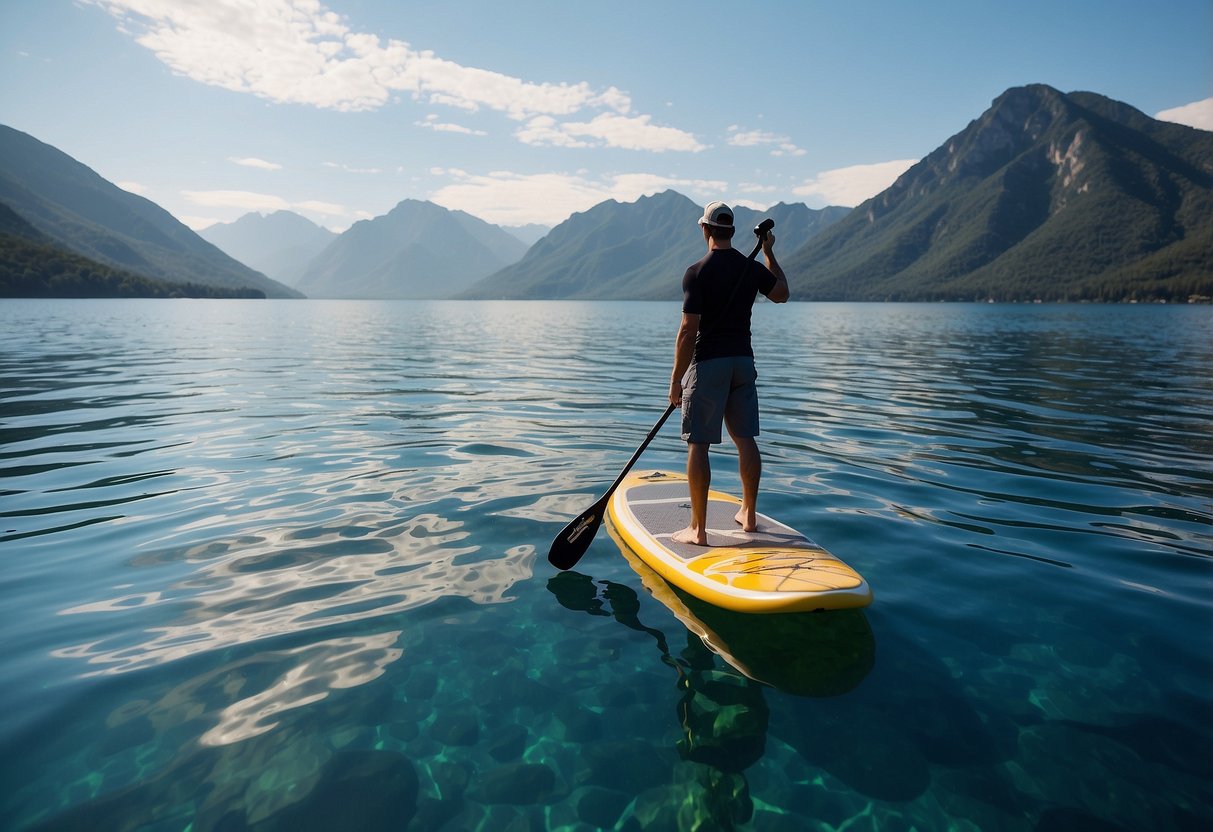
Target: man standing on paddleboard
{"points": [[714, 376]]}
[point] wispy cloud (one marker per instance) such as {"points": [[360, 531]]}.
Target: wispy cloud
{"points": [[549, 198], [432, 122], [244, 200], [1197, 114], [349, 168], [134, 187], [850, 186], [253, 162], [253, 201], [299, 52], [608, 130], [779, 145], [316, 206]]}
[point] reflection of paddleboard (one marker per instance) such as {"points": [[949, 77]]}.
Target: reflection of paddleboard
{"points": [[833, 651], [774, 569]]}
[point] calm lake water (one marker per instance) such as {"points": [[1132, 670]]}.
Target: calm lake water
{"points": [[282, 565]]}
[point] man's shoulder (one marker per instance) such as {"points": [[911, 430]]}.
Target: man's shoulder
{"points": [[698, 265], [717, 257]]}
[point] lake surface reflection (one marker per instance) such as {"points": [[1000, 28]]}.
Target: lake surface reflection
{"points": [[282, 565]]}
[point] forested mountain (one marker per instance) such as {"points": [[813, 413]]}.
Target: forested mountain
{"points": [[78, 210], [279, 245], [1046, 196], [32, 266], [636, 250], [417, 250]]}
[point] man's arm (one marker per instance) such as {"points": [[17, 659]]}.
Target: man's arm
{"points": [[684, 351], [780, 293]]}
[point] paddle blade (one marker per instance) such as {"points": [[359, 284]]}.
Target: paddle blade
{"points": [[575, 538]]}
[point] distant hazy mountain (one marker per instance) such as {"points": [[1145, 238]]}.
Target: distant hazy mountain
{"points": [[417, 250], [1046, 195], [637, 250], [86, 214], [529, 234], [279, 245]]}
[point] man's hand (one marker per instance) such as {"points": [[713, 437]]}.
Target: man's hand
{"points": [[676, 393], [768, 243]]}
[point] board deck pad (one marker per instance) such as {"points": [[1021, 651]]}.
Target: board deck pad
{"points": [[772, 569], [664, 508]]}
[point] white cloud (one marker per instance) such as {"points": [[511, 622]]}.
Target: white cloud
{"points": [[543, 130], [633, 133], [550, 198], [1197, 114], [299, 52], [782, 145], [608, 130], [850, 186], [253, 162], [134, 187]]}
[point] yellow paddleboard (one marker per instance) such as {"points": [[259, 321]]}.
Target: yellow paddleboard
{"points": [[773, 569]]}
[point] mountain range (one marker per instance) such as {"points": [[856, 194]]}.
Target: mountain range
{"points": [[84, 215], [635, 251], [416, 250], [1045, 196], [279, 245]]}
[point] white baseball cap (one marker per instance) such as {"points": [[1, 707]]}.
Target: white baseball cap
{"points": [[717, 214]]}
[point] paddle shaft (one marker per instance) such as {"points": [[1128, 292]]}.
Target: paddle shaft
{"points": [[761, 233]]}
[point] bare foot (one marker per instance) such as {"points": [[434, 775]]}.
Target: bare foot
{"points": [[692, 536], [748, 523]]}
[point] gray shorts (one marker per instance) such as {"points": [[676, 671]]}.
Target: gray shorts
{"points": [[716, 390]]}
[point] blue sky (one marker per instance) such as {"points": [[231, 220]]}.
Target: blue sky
{"points": [[529, 111]]}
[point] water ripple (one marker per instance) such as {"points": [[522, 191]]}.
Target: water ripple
{"points": [[218, 518]]}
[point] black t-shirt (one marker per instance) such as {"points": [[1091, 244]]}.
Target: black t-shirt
{"points": [[724, 323]]}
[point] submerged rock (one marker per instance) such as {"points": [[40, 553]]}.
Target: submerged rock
{"points": [[701, 799], [601, 807], [457, 724], [516, 784], [364, 790], [627, 767], [580, 724], [724, 719], [507, 743]]}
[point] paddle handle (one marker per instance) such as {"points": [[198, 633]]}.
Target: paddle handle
{"points": [[760, 231]]}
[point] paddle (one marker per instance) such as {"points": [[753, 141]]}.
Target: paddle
{"points": [[575, 538], [571, 543]]}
